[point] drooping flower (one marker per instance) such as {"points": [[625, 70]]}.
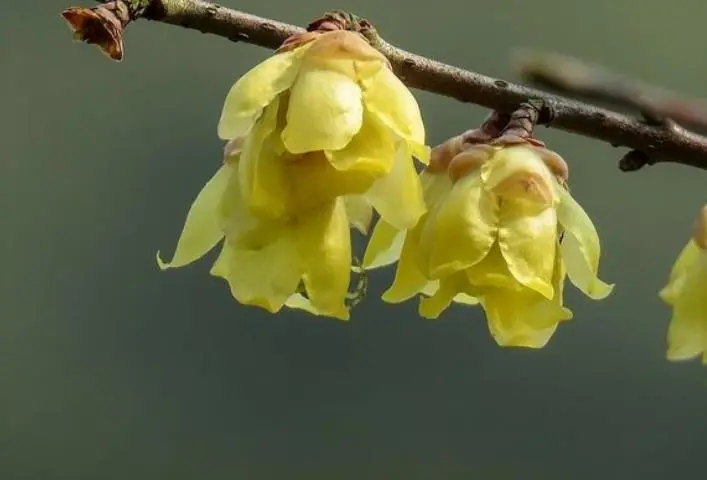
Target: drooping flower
{"points": [[323, 118], [319, 135], [501, 230], [686, 293]]}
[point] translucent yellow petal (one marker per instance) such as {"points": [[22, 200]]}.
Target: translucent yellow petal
{"points": [[202, 228], [359, 212], [580, 248], [435, 187], [527, 238], [299, 302], [398, 195], [687, 257], [384, 246], [255, 90], [324, 244], [324, 113], [386, 242], [525, 318], [264, 277], [505, 320], [462, 230], [432, 307], [389, 99], [687, 335], [372, 149], [262, 170], [314, 181], [492, 271], [409, 279], [519, 173], [237, 221], [466, 299]]}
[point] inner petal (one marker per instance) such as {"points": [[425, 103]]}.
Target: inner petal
{"points": [[324, 113]]}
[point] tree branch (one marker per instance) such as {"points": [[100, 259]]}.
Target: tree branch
{"points": [[661, 142], [579, 79]]}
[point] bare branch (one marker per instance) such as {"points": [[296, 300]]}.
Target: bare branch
{"points": [[583, 80], [657, 143]]}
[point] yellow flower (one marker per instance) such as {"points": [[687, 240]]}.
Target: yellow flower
{"points": [[319, 135], [264, 259], [686, 293], [327, 118], [492, 235]]}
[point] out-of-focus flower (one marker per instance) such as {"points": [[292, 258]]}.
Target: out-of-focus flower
{"points": [[686, 293], [323, 118], [501, 230], [264, 259]]}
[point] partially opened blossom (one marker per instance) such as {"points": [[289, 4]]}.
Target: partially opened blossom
{"points": [[319, 135], [327, 117], [502, 231], [686, 293]]}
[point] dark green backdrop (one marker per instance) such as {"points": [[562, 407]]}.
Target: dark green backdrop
{"points": [[110, 369]]}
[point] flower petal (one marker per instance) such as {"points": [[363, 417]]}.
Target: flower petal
{"points": [[409, 279], [359, 212], [492, 271], [391, 101], [398, 196], [264, 277], [299, 302], [527, 237], [264, 184], [255, 90], [519, 173], [202, 228], [435, 187], [687, 335], [324, 245], [324, 113], [384, 246], [580, 247], [461, 231], [372, 149], [449, 290], [314, 181], [688, 256], [525, 318]]}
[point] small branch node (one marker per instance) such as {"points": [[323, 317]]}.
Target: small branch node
{"points": [[634, 160]]}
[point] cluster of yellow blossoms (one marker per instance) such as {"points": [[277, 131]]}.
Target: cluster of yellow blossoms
{"points": [[323, 133]]}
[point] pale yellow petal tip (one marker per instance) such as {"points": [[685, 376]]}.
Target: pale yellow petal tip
{"points": [[429, 309], [422, 153], [599, 290], [667, 294], [528, 342], [699, 232], [679, 355], [392, 295], [161, 263], [298, 302], [465, 299]]}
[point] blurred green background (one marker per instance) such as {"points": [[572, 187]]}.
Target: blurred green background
{"points": [[110, 369]]}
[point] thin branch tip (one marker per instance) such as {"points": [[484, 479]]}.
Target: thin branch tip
{"points": [[580, 79]]}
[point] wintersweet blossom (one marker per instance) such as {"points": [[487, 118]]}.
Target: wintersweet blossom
{"points": [[319, 135], [502, 231]]}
